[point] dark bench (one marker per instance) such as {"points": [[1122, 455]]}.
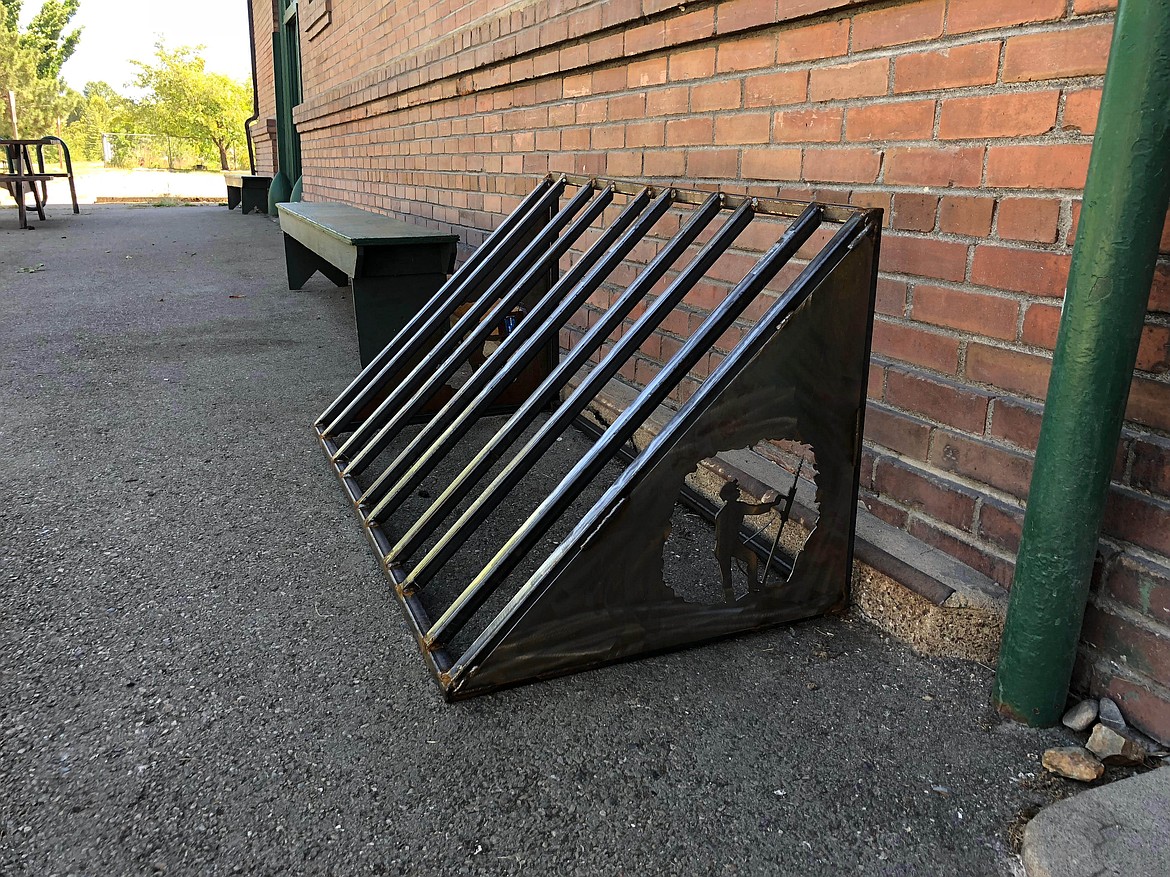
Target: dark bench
{"points": [[393, 266], [249, 189]]}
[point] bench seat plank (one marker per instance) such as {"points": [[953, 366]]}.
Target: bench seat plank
{"points": [[238, 178], [357, 227], [393, 267]]}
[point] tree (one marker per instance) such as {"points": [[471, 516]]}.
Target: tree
{"points": [[99, 110], [184, 100], [37, 100], [30, 64], [46, 35], [10, 14]]}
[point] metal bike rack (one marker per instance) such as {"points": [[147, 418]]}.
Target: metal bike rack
{"points": [[532, 609]]}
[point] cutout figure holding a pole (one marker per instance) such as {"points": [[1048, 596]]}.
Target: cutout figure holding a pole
{"points": [[728, 545]]}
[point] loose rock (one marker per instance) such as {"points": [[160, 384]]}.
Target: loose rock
{"points": [[1073, 762], [1110, 715], [1081, 716], [1115, 747]]}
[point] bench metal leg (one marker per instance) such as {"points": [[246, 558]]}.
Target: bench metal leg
{"points": [[68, 172], [38, 201], [18, 193], [233, 197], [73, 191], [302, 263], [383, 305], [255, 200]]}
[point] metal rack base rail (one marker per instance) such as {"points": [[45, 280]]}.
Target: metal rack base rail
{"points": [[798, 374]]}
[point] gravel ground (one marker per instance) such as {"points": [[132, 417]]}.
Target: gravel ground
{"points": [[201, 671]]}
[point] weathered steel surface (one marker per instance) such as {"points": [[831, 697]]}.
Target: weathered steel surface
{"points": [[611, 441], [21, 172], [542, 326], [600, 595], [574, 359], [472, 329]]}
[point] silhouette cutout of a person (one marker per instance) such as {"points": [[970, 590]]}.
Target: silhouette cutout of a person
{"points": [[728, 545]]}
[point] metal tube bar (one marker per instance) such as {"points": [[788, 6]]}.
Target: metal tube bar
{"points": [[449, 336], [433, 372], [560, 420], [409, 339], [810, 278], [63, 149], [576, 357], [1125, 201], [541, 326], [623, 428], [770, 206]]}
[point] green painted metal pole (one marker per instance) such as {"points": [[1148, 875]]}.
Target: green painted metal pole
{"points": [[286, 65], [1113, 263]]}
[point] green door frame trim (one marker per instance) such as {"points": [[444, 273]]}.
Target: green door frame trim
{"points": [[286, 64]]}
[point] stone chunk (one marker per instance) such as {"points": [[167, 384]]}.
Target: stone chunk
{"points": [[1110, 714], [1115, 747], [1073, 762], [1081, 716]]}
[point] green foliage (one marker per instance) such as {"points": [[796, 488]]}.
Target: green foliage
{"points": [[99, 110], [38, 100], [10, 14], [195, 116], [184, 100], [46, 36], [30, 65]]}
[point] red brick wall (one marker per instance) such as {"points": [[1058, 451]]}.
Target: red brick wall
{"points": [[263, 130], [969, 121]]}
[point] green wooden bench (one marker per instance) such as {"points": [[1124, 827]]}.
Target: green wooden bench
{"points": [[250, 190], [394, 267]]}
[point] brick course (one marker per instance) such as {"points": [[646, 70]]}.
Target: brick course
{"points": [[969, 121]]}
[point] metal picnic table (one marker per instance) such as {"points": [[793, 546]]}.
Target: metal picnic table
{"points": [[21, 172]]}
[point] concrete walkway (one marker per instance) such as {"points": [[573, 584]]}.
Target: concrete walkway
{"points": [[201, 671], [94, 181], [1118, 830]]}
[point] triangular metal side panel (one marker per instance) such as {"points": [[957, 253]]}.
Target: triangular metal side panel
{"points": [[601, 597]]}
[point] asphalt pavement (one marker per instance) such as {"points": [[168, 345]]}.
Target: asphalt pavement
{"points": [[202, 671]]}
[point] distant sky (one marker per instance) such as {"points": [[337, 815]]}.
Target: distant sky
{"points": [[115, 32]]}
